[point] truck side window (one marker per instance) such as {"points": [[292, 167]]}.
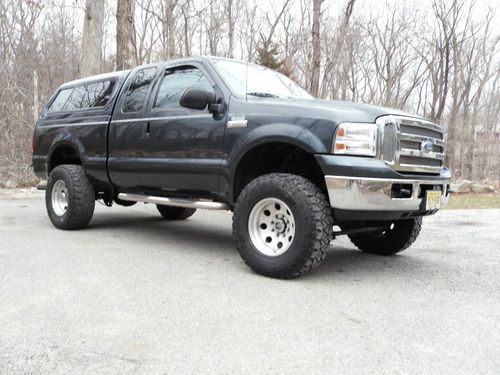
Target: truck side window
{"points": [[60, 100], [98, 93], [175, 81], [90, 95], [138, 90]]}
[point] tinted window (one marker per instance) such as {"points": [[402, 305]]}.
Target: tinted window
{"points": [[99, 93], [77, 99], [90, 95], [175, 82], [60, 100], [138, 90]]}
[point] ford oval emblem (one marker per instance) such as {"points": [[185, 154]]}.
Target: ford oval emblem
{"points": [[427, 146]]}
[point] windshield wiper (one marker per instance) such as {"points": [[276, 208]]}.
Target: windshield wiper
{"points": [[262, 94]]}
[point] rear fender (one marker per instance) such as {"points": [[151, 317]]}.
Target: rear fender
{"points": [[65, 139]]}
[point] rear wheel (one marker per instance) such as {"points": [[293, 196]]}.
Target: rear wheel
{"points": [[70, 197], [282, 225], [396, 237], [175, 213]]}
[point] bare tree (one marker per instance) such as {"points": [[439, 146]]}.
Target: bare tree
{"points": [[333, 59], [440, 60], [397, 68], [316, 48], [126, 52], [231, 20], [91, 57], [268, 51], [169, 29], [248, 40]]}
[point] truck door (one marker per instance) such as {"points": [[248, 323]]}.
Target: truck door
{"points": [[129, 129], [184, 147]]}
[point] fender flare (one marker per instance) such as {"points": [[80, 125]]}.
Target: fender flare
{"points": [[272, 133], [65, 139]]}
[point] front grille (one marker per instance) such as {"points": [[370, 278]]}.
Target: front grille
{"points": [[403, 144], [412, 160], [388, 147], [411, 129], [415, 145]]}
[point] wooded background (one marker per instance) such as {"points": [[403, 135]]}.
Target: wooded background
{"points": [[436, 58]]}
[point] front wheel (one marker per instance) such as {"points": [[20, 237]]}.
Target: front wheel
{"points": [[282, 225], [394, 238], [70, 197]]}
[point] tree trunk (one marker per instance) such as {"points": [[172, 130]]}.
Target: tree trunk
{"points": [[90, 60], [125, 35], [316, 48], [35, 96], [333, 58], [212, 32], [230, 33], [169, 29]]}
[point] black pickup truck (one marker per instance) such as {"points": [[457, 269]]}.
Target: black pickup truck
{"points": [[221, 134]]}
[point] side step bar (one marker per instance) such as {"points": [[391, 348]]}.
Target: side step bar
{"points": [[177, 202]]}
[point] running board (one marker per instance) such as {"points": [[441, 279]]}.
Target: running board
{"points": [[176, 202]]}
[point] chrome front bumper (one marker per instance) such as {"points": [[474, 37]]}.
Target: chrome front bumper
{"points": [[376, 194]]}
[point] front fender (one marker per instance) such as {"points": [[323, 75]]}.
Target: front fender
{"points": [[271, 133], [284, 133]]}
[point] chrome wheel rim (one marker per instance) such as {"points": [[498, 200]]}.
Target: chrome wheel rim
{"points": [[59, 198], [271, 226]]}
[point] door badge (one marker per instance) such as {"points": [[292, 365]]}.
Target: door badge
{"points": [[237, 121]]}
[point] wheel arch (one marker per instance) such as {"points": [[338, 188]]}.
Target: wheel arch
{"points": [[256, 159], [65, 149]]}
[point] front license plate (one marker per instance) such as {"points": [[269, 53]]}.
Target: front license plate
{"points": [[432, 200]]}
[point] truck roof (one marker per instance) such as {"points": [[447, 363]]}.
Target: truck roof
{"points": [[120, 73], [125, 72], [94, 78]]}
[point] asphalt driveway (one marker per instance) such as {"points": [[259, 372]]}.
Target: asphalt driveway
{"points": [[136, 294]]}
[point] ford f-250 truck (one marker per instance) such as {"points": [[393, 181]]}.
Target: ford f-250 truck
{"points": [[221, 134]]}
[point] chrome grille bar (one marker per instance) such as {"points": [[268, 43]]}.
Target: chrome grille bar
{"points": [[419, 138], [403, 141]]}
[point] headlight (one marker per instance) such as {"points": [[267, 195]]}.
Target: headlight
{"points": [[356, 139]]}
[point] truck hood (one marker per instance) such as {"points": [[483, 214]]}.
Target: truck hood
{"points": [[333, 110]]}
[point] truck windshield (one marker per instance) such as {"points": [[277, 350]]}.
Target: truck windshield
{"points": [[256, 80]]}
